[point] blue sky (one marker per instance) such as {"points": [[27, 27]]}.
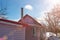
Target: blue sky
{"points": [[38, 6]]}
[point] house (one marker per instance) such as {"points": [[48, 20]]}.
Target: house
{"points": [[25, 29]]}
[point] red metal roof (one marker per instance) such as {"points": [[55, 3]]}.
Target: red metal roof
{"points": [[9, 21], [5, 20], [20, 22], [30, 18]]}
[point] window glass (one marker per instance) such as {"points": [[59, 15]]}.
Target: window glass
{"points": [[34, 31]]}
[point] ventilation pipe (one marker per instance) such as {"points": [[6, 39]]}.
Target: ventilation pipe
{"points": [[21, 12]]}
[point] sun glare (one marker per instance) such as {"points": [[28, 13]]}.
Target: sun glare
{"points": [[55, 1]]}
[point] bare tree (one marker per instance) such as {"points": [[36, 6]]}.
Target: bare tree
{"points": [[53, 19]]}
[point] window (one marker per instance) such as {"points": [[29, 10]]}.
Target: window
{"points": [[34, 31]]}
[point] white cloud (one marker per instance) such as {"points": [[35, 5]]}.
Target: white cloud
{"points": [[29, 7]]}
